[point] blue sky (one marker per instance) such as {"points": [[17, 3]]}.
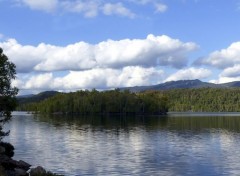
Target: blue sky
{"points": [[68, 45]]}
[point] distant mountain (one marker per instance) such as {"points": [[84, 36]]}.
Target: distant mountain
{"points": [[35, 98], [231, 84], [182, 84]]}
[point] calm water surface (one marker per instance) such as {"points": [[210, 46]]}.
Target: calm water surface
{"points": [[177, 145]]}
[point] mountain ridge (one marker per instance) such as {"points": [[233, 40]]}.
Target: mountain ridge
{"points": [[182, 84]]}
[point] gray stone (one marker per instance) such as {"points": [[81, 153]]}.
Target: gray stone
{"points": [[37, 171], [23, 165], [20, 172]]}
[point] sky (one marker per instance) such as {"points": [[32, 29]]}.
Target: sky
{"points": [[68, 45]]}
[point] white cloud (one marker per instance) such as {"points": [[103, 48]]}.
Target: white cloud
{"points": [[229, 74], [118, 9], [231, 71], [45, 5], [223, 79], [227, 60], [150, 52], [224, 58], [158, 5], [88, 8], [95, 78], [39, 81], [189, 74], [26, 57], [161, 8]]}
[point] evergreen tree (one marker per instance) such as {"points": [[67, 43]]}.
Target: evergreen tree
{"points": [[7, 92]]}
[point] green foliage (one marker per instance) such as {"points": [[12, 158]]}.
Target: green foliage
{"points": [[107, 102], [149, 102], [204, 100], [7, 92]]}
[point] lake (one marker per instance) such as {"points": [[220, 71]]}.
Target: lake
{"points": [[180, 144]]}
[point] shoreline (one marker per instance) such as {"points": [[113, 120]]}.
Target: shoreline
{"points": [[11, 167]]}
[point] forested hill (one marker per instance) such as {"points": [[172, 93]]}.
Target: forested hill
{"points": [[204, 100], [183, 84], [36, 98]]}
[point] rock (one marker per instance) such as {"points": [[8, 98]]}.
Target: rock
{"points": [[23, 165], [20, 172], [37, 171], [7, 162], [10, 173], [9, 149], [10, 164]]}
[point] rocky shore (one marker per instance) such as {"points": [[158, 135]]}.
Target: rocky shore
{"points": [[11, 167]]}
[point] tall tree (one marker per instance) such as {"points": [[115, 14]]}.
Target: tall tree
{"points": [[7, 92]]}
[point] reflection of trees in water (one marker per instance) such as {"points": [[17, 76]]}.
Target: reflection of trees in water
{"points": [[107, 122], [145, 122], [203, 123]]}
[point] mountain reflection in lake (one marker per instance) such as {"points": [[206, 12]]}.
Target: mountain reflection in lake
{"points": [[173, 145]]}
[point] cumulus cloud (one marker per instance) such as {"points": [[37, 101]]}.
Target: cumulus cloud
{"points": [[39, 81], [25, 57], [223, 79], [150, 52], [224, 58], [227, 60], [231, 71], [189, 74], [94, 78], [229, 74], [118, 9]]}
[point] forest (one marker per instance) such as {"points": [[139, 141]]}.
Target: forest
{"points": [[204, 100], [147, 102], [105, 102]]}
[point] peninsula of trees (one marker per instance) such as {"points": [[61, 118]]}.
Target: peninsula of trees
{"points": [[102, 103]]}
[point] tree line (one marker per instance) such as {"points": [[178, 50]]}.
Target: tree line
{"points": [[104, 102], [204, 100], [148, 102]]}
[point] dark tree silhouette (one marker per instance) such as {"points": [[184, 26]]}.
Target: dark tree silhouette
{"points": [[7, 92]]}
